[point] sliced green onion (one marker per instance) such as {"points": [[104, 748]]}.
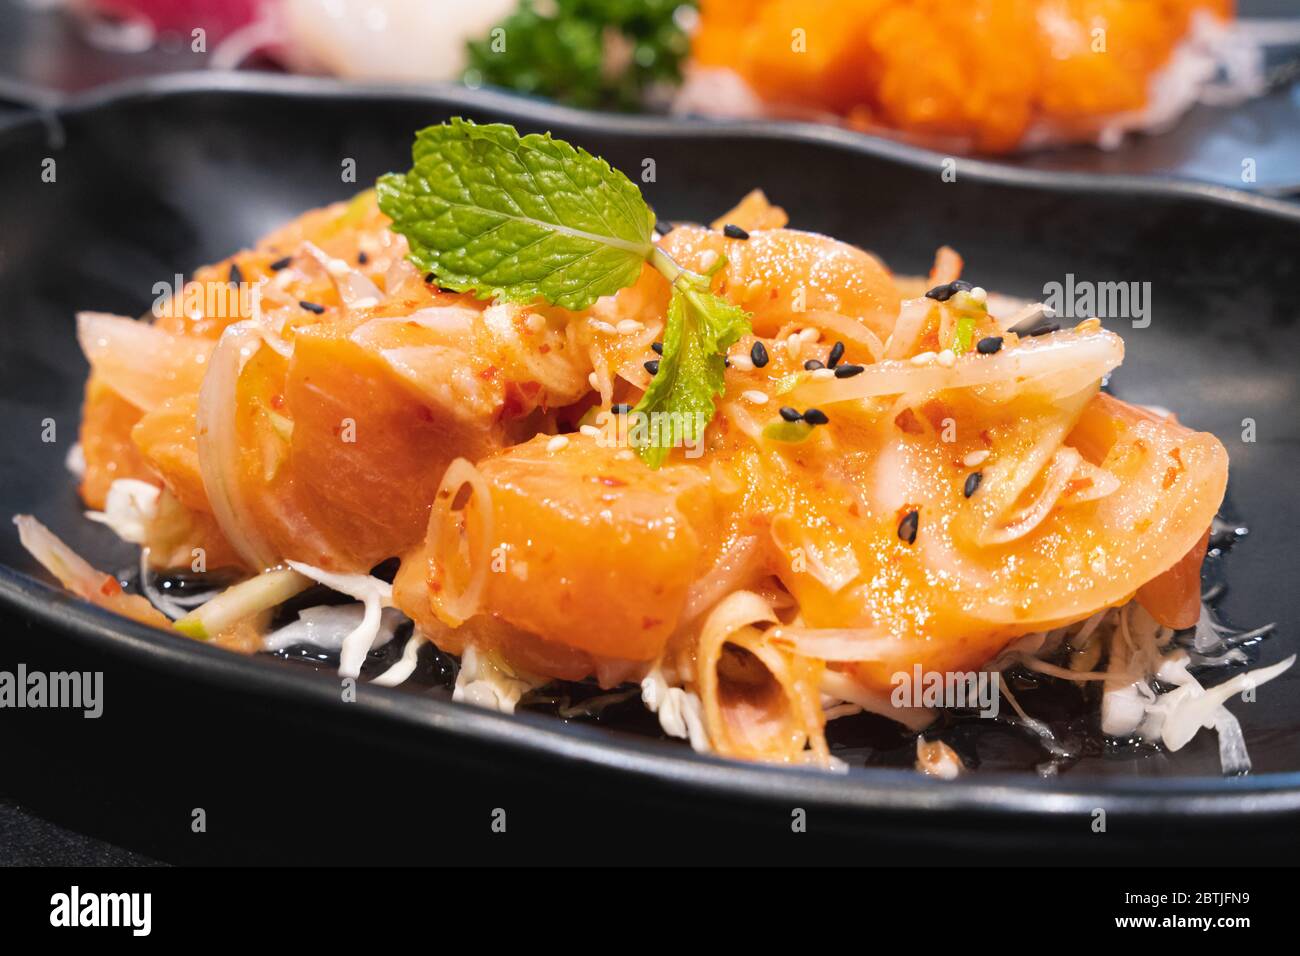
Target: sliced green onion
{"points": [[269, 589], [789, 432], [963, 336]]}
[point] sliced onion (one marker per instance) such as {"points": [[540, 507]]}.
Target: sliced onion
{"points": [[840, 644], [269, 331], [73, 571], [834, 568], [219, 450], [746, 730], [174, 606], [400, 271], [141, 362], [732, 570], [373, 592], [355, 289], [79, 577], [1058, 476], [1060, 364], [912, 315], [453, 606], [1095, 483], [844, 327], [842, 686]]}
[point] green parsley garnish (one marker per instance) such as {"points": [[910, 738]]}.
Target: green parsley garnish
{"points": [[594, 54], [528, 218]]}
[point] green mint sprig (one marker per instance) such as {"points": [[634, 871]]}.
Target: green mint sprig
{"points": [[528, 218]]}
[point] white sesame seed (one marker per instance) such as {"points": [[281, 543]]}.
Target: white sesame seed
{"points": [[556, 443], [976, 458], [741, 362], [593, 381], [810, 335], [818, 373], [708, 259], [534, 322], [629, 327], [979, 294], [924, 358], [755, 398], [601, 326], [591, 431], [794, 345], [947, 358]]}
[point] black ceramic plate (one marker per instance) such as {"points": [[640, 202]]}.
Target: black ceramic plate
{"points": [[155, 178]]}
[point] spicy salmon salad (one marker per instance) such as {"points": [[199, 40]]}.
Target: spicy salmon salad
{"points": [[741, 477]]}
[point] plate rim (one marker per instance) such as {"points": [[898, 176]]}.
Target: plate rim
{"points": [[997, 795], [544, 111]]}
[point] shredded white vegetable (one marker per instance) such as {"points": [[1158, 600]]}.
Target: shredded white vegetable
{"points": [[482, 682], [129, 509], [326, 626], [374, 593], [680, 712]]}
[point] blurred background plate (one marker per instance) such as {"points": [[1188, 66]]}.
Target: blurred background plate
{"points": [[45, 52]]}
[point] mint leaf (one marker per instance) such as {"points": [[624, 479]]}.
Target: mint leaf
{"points": [[700, 328], [518, 218]]}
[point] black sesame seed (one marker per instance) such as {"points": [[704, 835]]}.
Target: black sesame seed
{"points": [[312, 307], [972, 483], [663, 228], [657, 348], [989, 345], [837, 353], [815, 416], [790, 414], [848, 371], [236, 277], [1037, 324], [279, 264], [362, 258], [734, 232], [758, 355], [813, 365], [907, 527], [652, 366], [942, 293], [622, 408]]}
